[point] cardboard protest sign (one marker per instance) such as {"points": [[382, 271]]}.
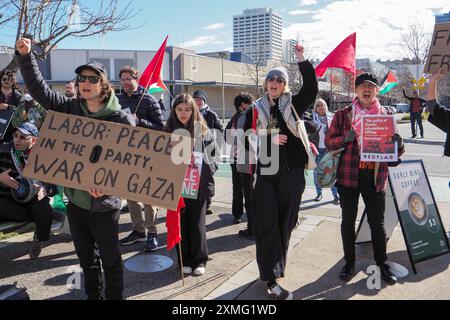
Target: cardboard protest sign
{"points": [[134, 163], [5, 119], [191, 183], [439, 53], [376, 139]]}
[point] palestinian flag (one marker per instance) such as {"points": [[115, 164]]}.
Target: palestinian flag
{"points": [[151, 77], [388, 83], [157, 87]]}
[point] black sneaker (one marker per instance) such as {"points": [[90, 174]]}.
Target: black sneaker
{"points": [[318, 198], [279, 293], [387, 275], [209, 211], [125, 208], [422, 136], [413, 136], [246, 234], [152, 243], [336, 200], [347, 272], [133, 237], [237, 220], [35, 248]]}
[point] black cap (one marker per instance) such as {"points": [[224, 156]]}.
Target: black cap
{"points": [[366, 77], [201, 94], [95, 66]]}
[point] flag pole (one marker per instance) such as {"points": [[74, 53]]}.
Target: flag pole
{"points": [[181, 262], [148, 81]]}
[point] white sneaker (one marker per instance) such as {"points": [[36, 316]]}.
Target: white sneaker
{"points": [[199, 271], [187, 270]]}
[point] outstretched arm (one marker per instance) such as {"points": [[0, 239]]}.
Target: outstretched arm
{"points": [[32, 77]]}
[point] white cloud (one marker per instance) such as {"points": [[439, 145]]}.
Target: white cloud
{"points": [[378, 25], [307, 2], [299, 12], [201, 41], [215, 26]]}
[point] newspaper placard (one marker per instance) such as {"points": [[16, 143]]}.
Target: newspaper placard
{"points": [[376, 139]]}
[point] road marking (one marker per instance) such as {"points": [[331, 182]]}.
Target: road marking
{"points": [[423, 155]]}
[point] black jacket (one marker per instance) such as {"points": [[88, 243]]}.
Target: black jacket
{"points": [[149, 113], [209, 167], [440, 117], [52, 100], [13, 102]]}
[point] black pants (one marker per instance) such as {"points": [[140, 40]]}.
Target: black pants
{"points": [[193, 233], [416, 116], [276, 202], [40, 212], [92, 230], [242, 193], [375, 207]]}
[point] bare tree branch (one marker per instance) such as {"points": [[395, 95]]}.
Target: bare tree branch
{"points": [[416, 43], [48, 22]]}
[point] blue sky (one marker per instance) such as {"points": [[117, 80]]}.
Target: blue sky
{"points": [[321, 24]]}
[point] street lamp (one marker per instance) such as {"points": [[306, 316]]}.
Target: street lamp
{"points": [[222, 55]]}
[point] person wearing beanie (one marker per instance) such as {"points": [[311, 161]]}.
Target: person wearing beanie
{"points": [[280, 169], [216, 126], [355, 177]]}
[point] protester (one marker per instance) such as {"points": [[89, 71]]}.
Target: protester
{"points": [[10, 97], [277, 194], [147, 114], [322, 118], [93, 216], [35, 204], [185, 115], [71, 90], [28, 110], [242, 182], [415, 112], [439, 115], [216, 126], [355, 177]]}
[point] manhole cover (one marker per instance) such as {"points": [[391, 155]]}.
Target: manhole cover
{"points": [[148, 263]]}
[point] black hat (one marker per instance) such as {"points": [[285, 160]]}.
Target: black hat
{"points": [[201, 94], [95, 66], [366, 77]]}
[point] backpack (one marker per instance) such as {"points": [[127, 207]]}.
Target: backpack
{"points": [[327, 168], [11, 292]]}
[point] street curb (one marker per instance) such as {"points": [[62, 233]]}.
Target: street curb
{"points": [[429, 142]]}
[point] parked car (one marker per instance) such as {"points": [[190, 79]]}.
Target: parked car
{"points": [[390, 109], [401, 107]]}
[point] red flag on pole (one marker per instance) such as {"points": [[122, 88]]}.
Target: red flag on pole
{"points": [[343, 57], [152, 74], [173, 225]]}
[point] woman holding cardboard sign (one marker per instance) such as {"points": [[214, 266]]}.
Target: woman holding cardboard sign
{"points": [[185, 119], [93, 216]]}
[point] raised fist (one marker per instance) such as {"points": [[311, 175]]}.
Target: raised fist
{"points": [[23, 46]]}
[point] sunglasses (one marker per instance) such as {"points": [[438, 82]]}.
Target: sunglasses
{"points": [[91, 79], [278, 80]]}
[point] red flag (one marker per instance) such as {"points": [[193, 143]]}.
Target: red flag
{"points": [[152, 73], [343, 57], [173, 225]]}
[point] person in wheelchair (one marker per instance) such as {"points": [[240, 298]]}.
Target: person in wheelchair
{"points": [[24, 199]]}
